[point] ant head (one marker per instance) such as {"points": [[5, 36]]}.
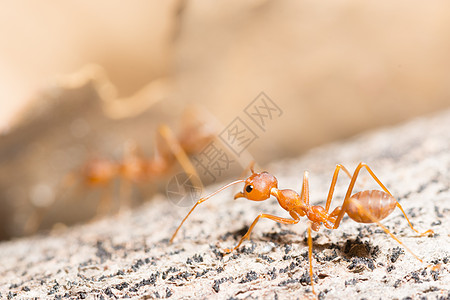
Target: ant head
{"points": [[257, 187]]}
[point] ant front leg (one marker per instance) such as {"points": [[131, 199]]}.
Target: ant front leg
{"points": [[274, 218], [180, 154]]}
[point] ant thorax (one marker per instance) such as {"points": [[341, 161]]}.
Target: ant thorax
{"points": [[290, 200]]}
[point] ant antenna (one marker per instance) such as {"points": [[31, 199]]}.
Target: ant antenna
{"points": [[203, 200]]}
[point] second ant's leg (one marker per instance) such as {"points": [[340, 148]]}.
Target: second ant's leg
{"points": [[274, 218], [179, 154], [34, 220], [125, 194], [105, 203]]}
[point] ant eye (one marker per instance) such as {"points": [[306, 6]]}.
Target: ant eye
{"points": [[249, 188]]}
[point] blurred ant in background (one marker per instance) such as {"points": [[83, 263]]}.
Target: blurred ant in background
{"points": [[135, 168]]}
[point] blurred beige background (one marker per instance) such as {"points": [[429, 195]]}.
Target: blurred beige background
{"points": [[333, 68]]}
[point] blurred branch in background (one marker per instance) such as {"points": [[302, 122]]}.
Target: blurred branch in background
{"points": [[80, 79]]}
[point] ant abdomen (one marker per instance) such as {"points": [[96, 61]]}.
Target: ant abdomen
{"points": [[378, 203]]}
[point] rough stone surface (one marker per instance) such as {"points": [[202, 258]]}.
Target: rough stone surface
{"points": [[129, 255]]}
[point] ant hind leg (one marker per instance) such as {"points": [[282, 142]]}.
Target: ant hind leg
{"points": [[350, 189], [366, 213]]}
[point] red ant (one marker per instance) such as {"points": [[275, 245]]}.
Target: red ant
{"points": [[133, 167], [136, 168], [362, 207]]}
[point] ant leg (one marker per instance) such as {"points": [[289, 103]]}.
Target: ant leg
{"points": [[398, 204], [428, 232], [304, 194], [274, 218], [311, 274], [363, 211], [179, 154], [125, 194], [104, 205], [200, 201], [130, 171], [34, 221], [349, 191], [333, 184]]}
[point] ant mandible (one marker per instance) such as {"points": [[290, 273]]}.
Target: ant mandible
{"points": [[369, 206]]}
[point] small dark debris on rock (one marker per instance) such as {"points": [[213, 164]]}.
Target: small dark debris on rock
{"points": [[435, 275], [218, 282], [204, 272], [305, 279], [109, 293], [352, 281], [288, 281], [266, 258], [287, 248], [284, 270], [358, 262], [321, 296], [101, 252], [248, 250], [436, 223], [217, 252], [137, 265], [390, 268], [250, 276], [326, 257], [438, 214], [272, 274], [396, 252], [169, 292], [235, 234], [121, 286], [196, 258], [415, 276], [183, 275]]}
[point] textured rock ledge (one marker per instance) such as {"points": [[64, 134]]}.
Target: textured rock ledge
{"points": [[129, 256]]}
